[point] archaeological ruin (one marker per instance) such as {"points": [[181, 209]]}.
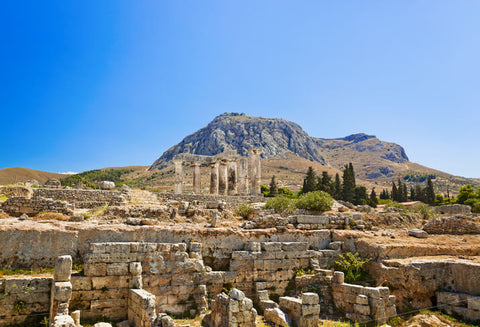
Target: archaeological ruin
{"points": [[139, 258]]}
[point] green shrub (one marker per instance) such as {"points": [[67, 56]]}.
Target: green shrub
{"points": [[315, 201], [424, 209], [476, 207], [352, 265], [244, 210], [393, 204], [280, 204]]}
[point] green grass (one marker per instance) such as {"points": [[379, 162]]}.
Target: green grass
{"points": [[10, 272]]}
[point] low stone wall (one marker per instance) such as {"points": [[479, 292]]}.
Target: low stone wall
{"points": [[453, 225], [414, 282], [231, 200], [33, 246], [464, 305], [168, 272], [363, 304], [16, 206], [453, 209], [24, 300], [83, 198], [306, 221]]}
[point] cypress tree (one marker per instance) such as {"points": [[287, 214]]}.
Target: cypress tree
{"points": [[348, 183], [310, 181], [412, 194], [405, 192], [361, 196], [373, 198], [430, 193], [325, 183], [419, 193], [394, 192], [337, 187]]}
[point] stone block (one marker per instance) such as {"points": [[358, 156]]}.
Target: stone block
{"points": [[473, 302], [262, 295], [117, 269], [313, 219], [135, 268], [62, 291], [372, 292], [391, 300], [308, 310], [63, 268], [338, 277], [361, 299], [237, 294], [195, 247], [95, 269], [310, 298], [294, 246], [271, 246], [276, 316], [80, 283], [362, 309]]}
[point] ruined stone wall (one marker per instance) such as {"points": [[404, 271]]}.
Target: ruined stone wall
{"points": [[16, 206], [414, 282], [464, 305], [231, 200], [306, 221], [141, 308], [34, 246], [453, 209], [24, 300], [83, 198], [169, 272], [458, 225]]}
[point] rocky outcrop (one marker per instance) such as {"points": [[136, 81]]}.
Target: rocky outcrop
{"points": [[233, 131]]}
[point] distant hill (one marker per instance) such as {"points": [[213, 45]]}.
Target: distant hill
{"points": [[7, 175], [376, 162]]}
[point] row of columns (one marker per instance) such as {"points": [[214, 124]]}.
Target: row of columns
{"points": [[227, 176]]}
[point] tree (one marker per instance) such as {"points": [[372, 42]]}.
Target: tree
{"points": [[373, 201], [310, 181], [412, 193], [429, 192], [466, 192], [361, 196], [337, 188], [404, 193], [273, 186], [384, 195], [348, 187], [419, 193], [394, 192], [325, 183]]}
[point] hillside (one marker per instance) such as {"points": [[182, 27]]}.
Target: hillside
{"points": [[7, 175]]}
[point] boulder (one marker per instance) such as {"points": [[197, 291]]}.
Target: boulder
{"points": [[418, 233], [106, 185]]}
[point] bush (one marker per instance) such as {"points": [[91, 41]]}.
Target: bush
{"points": [[424, 209], [244, 210], [393, 204], [280, 204], [352, 266], [476, 207], [315, 201]]}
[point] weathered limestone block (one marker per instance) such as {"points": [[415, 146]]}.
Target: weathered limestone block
{"points": [[63, 268], [310, 298], [276, 316], [63, 321], [141, 308], [106, 185]]}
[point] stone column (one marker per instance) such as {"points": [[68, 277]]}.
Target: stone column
{"points": [[196, 178], [61, 292], [178, 176], [214, 178], [222, 178], [232, 177], [255, 171], [243, 176]]}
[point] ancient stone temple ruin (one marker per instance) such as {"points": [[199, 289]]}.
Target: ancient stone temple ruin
{"points": [[230, 174]]}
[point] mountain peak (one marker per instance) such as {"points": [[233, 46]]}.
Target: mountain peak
{"points": [[275, 137]]}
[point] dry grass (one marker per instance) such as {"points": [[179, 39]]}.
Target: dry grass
{"points": [[7, 175], [51, 216], [3, 215]]}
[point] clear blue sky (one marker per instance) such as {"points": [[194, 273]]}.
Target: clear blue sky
{"points": [[92, 84]]}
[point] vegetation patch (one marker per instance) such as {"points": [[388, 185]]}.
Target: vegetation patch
{"points": [[51, 216], [244, 210]]}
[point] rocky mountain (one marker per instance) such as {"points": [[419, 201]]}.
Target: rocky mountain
{"points": [[277, 137], [233, 131]]}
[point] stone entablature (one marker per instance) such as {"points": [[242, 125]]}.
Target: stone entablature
{"points": [[230, 174]]}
